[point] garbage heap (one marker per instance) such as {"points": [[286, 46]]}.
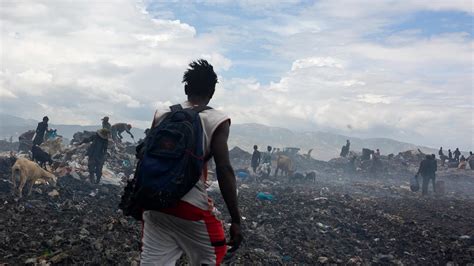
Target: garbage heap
{"points": [[8, 146], [383, 166], [73, 223], [336, 219], [358, 224], [118, 167], [239, 158]]}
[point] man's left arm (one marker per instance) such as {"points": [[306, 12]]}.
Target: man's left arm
{"points": [[226, 180]]}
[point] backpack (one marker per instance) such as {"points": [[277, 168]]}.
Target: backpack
{"points": [[171, 161]]}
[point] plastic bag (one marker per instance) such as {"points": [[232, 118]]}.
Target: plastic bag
{"points": [[414, 184], [264, 196]]}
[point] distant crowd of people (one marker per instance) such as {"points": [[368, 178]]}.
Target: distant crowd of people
{"points": [[262, 162], [457, 158]]}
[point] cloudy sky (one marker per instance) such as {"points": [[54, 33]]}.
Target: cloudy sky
{"points": [[398, 69]]}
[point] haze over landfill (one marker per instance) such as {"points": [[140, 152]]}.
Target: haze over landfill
{"points": [[401, 70]]}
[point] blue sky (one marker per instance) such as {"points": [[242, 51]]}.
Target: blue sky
{"points": [[397, 69], [209, 18]]}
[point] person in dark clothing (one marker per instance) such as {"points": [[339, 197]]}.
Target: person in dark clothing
{"points": [[450, 155], [140, 141], [118, 129], [256, 156], [427, 170], [96, 153], [40, 131], [442, 157], [267, 161], [457, 153], [105, 123], [470, 160], [345, 149]]}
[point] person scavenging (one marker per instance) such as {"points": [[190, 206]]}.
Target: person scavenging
{"points": [[442, 157], [457, 153], [345, 149], [97, 153], [266, 162], [470, 160], [427, 170], [40, 131], [106, 123], [190, 225], [256, 156], [118, 129]]}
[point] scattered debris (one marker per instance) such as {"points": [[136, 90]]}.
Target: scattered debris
{"points": [[347, 216]]}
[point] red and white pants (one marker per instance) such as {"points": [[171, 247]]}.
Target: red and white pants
{"points": [[185, 228]]}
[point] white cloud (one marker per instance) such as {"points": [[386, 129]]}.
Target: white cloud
{"points": [[318, 62], [335, 62], [89, 59], [373, 98], [6, 93], [35, 77]]}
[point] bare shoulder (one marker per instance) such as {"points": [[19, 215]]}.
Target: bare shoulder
{"points": [[222, 131]]}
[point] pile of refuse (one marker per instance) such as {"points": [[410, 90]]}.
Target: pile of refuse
{"points": [[343, 216], [73, 223], [301, 224], [239, 158], [119, 165], [8, 146]]}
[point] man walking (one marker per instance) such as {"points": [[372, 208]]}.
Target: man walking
{"points": [[192, 226], [428, 168], [256, 156]]}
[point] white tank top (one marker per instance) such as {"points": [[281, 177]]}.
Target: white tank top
{"points": [[210, 120]]}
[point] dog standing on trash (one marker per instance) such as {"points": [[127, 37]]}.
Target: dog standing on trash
{"points": [[25, 171]]}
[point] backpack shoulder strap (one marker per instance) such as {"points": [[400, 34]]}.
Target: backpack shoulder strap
{"points": [[199, 109], [176, 107]]}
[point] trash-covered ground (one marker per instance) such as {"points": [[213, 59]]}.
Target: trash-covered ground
{"points": [[74, 223], [354, 222], [358, 215]]}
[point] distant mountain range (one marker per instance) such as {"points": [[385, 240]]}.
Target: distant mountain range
{"points": [[325, 145]]}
